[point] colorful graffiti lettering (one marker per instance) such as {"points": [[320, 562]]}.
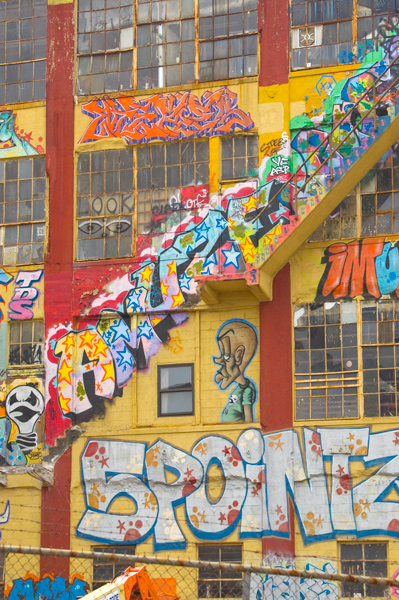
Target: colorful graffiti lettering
{"points": [[238, 342], [13, 142], [48, 587], [255, 468], [25, 295], [95, 364], [5, 279], [164, 117], [278, 587], [368, 268]]}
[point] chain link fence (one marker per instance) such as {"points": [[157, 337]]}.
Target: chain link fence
{"points": [[48, 574]]}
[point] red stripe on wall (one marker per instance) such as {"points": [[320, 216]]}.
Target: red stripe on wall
{"points": [[276, 384], [274, 31], [55, 510]]}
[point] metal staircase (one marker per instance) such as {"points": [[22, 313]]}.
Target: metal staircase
{"points": [[333, 179]]}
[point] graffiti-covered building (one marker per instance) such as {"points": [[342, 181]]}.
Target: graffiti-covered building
{"points": [[199, 206]]}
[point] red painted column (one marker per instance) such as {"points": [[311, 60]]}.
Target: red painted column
{"points": [[55, 511], [276, 410], [274, 30]]}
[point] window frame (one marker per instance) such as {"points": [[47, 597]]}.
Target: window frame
{"points": [[250, 173], [239, 579], [117, 549], [363, 562], [18, 204], [137, 81], [18, 366], [137, 214], [160, 391]]}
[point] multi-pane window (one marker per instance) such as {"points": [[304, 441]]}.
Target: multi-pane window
{"points": [[376, 21], [105, 204], [371, 209], [22, 210], [239, 157], [105, 45], [321, 33], [106, 194], [165, 43], [162, 171], [104, 570], [22, 50], [370, 560], [380, 339], [228, 38], [26, 343], [174, 46], [175, 390], [326, 360], [329, 338], [215, 583]]}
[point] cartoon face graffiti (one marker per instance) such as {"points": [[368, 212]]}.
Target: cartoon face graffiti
{"points": [[237, 341], [24, 405]]}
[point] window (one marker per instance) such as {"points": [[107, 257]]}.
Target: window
{"points": [[326, 360], [175, 390], [321, 33], [239, 157], [174, 47], [380, 334], [22, 210], [105, 42], [162, 172], [376, 22], [22, 50], [364, 559], [219, 584], [165, 43], [105, 204], [372, 208], [227, 48], [104, 570], [106, 198], [26, 343]]}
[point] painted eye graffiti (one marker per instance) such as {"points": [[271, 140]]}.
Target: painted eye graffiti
{"points": [[116, 226]]}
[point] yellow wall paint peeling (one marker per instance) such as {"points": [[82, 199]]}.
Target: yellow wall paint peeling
{"points": [[53, 2]]}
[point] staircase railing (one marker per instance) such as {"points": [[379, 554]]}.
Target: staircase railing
{"points": [[329, 139]]}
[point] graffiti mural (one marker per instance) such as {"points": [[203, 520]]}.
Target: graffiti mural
{"points": [[259, 473], [237, 341], [5, 516], [278, 587], [48, 587], [164, 117], [368, 268], [13, 141]]}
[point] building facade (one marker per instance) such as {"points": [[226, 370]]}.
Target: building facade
{"points": [[199, 204]]}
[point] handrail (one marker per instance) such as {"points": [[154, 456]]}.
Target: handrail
{"points": [[329, 137]]}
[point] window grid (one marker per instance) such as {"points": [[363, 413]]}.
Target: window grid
{"points": [[161, 45], [105, 39], [22, 50], [372, 208], [321, 33], [370, 560], [326, 360], [26, 343], [22, 210], [105, 571], [105, 204], [239, 157], [108, 200], [162, 170], [165, 43], [217, 583], [226, 47], [380, 336]]}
